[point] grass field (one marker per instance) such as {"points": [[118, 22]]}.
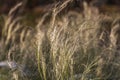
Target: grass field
{"points": [[67, 47]]}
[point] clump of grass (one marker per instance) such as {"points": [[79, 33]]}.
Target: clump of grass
{"points": [[69, 47]]}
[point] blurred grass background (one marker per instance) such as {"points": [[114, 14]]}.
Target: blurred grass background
{"points": [[61, 43]]}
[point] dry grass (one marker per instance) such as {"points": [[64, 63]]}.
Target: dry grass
{"points": [[69, 47]]}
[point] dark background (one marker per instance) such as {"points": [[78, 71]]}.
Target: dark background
{"points": [[5, 5]]}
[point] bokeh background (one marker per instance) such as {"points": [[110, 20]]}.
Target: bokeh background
{"points": [[39, 5]]}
